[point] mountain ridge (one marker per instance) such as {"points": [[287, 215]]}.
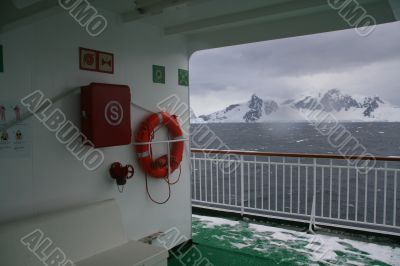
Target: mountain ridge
{"points": [[343, 107]]}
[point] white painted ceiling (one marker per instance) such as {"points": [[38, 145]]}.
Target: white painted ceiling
{"points": [[214, 23], [174, 11]]}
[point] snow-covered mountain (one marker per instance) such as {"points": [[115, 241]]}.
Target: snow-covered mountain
{"points": [[194, 119], [341, 106]]}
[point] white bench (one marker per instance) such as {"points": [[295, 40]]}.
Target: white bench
{"points": [[88, 236]]}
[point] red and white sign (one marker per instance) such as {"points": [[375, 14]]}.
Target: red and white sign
{"points": [[106, 62], [88, 59], [97, 61]]}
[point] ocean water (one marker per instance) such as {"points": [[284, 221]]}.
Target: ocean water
{"points": [[278, 189], [380, 139]]}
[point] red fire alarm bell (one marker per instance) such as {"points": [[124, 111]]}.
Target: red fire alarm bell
{"points": [[105, 114]]}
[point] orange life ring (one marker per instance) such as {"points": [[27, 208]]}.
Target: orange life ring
{"points": [[159, 168]]}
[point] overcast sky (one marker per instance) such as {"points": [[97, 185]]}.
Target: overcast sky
{"points": [[288, 68]]}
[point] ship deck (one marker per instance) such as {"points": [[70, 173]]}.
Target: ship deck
{"points": [[225, 241]]}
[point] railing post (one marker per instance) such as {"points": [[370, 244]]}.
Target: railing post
{"points": [[315, 179], [313, 207], [241, 185], [194, 180]]}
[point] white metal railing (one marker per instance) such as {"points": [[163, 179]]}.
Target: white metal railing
{"points": [[323, 189]]}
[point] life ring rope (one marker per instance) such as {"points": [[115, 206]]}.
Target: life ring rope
{"points": [[167, 180]]}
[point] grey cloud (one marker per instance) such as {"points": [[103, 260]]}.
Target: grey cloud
{"points": [[266, 68]]}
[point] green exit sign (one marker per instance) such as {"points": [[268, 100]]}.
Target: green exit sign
{"points": [[159, 74], [1, 59], [183, 77]]}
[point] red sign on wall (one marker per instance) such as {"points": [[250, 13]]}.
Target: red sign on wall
{"points": [[93, 60]]}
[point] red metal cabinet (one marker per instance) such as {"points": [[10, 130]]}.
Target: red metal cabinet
{"points": [[105, 114]]}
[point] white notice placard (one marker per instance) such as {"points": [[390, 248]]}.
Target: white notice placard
{"points": [[15, 134]]}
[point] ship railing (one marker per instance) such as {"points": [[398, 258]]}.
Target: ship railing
{"points": [[320, 189]]}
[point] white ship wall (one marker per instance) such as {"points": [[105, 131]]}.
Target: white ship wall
{"points": [[44, 55]]}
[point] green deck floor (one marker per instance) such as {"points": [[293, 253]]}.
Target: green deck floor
{"points": [[219, 256], [226, 242]]}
